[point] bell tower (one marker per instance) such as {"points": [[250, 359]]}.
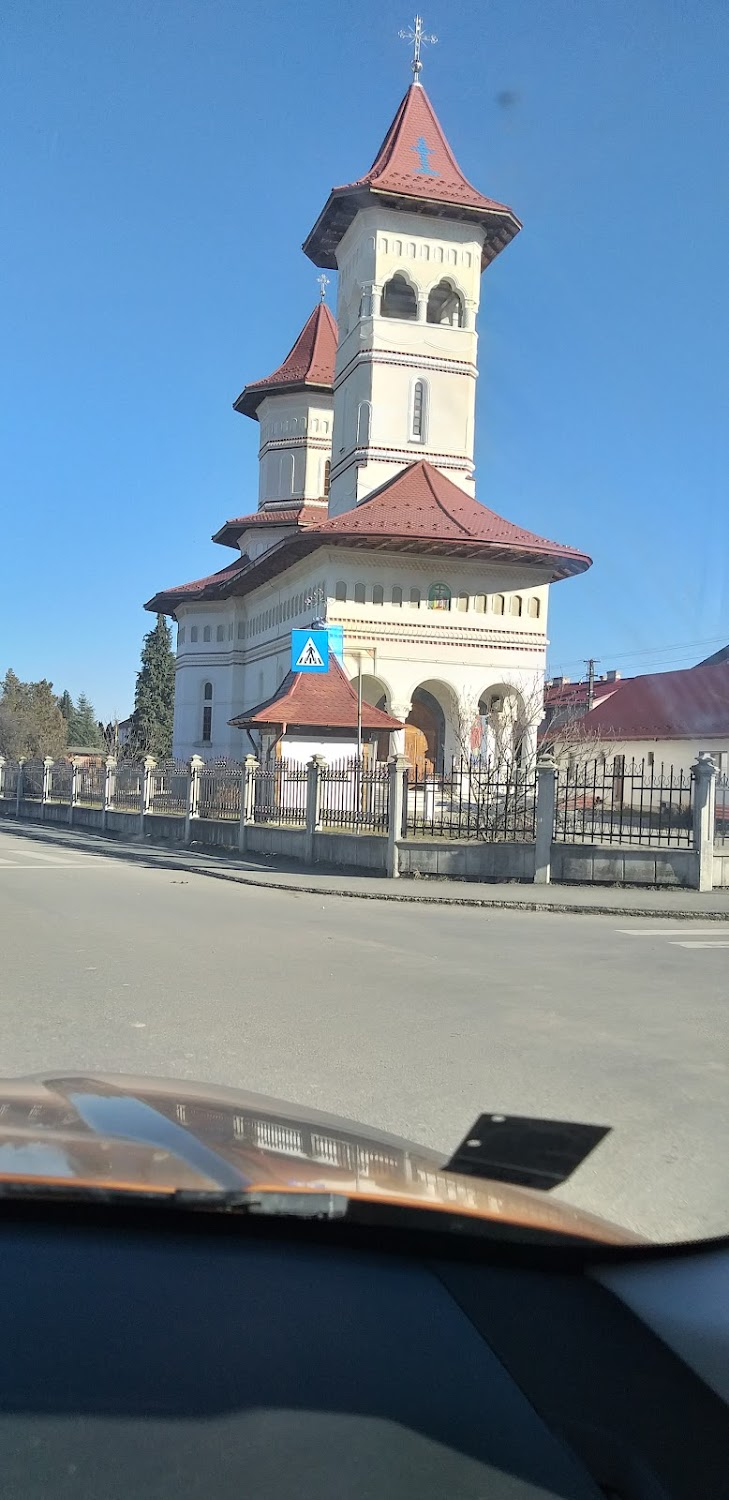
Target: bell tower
{"points": [[409, 240]]}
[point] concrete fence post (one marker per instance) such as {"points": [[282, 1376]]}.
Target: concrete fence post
{"points": [[704, 771], [546, 807], [316, 765], [47, 783], [2, 775], [396, 813], [109, 789], [19, 787], [75, 783], [194, 769], [145, 800], [247, 800]]}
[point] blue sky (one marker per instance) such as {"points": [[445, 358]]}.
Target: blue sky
{"points": [[160, 164]]}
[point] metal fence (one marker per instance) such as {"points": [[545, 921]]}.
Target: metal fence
{"points": [[220, 789], [614, 802], [61, 781], [355, 794], [33, 780], [90, 783], [281, 793], [473, 800], [128, 786], [10, 778], [168, 788], [721, 824]]}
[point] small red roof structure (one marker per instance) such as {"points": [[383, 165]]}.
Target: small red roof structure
{"points": [[300, 515], [424, 510], [309, 363], [315, 700], [690, 704], [414, 169]]}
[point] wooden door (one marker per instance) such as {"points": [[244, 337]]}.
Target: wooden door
{"points": [[421, 740]]}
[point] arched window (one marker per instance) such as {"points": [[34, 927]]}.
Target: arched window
{"points": [[399, 299], [241, 630], [286, 475], [207, 713], [220, 633], [419, 412], [378, 594], [415, 598], [340, 591], [462, 603], [439, 596], [364, 414], [180, 635], [498, 604], [479, 604], [534, 609], [516, 604], [327, 473], [193, 632], [397, 596], [445, 306], [207, 633], [359, 593]]}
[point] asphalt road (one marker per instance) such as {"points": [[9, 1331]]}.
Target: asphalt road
{"points": [[413, 1018]]}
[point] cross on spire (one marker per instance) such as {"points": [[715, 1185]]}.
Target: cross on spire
{"points": [[323, 284], [419, 39]]}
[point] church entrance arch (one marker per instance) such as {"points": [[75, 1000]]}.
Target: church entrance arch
{"points": [[425, 733]]}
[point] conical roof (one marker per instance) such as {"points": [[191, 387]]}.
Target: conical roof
{"points": [[309, 362], [416, 167], [315, 700]]}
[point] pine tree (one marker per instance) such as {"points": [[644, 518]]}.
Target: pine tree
{"points": [[83, 730], [154, 695], [65, 703]]}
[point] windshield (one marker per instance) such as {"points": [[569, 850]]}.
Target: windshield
{"points": [[364, 677]]}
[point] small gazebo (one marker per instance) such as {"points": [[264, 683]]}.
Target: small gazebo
{"points": [[318, 713]]}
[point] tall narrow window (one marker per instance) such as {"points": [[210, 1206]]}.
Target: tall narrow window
{"points": [[462, 603], [533, 609], [516, 604], [220, 633], [327, 473], [193, 632], [363, 424], [498, 604], [207, 633], [207, 713], [359, 593], [397, 596], [415, 598], [445, 306], [340, 592], [479, 604], [419, 417], [181, 635], [378, 594]]}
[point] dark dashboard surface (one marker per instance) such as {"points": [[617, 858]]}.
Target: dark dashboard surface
{"points": [[145, 1364]]}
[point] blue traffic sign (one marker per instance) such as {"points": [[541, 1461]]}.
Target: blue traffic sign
{"points": [[309, 651]]}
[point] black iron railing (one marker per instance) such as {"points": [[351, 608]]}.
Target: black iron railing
{"points": [[355, 794], [612, 801], [280, 793], [472, 800]]}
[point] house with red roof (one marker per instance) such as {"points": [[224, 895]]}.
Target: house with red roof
{"points": [[368, 519], [665, 718]]}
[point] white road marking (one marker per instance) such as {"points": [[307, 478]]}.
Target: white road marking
{"points": [[656, 932], [60, 864], [34, 853], [700, 945]]}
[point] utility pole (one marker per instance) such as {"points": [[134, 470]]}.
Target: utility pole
{"points": [[591, 662]]}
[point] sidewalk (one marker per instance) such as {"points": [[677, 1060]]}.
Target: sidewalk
{"points": [[279, 874]]}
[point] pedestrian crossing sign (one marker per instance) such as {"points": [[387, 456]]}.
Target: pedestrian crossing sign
{"points": [[309, 651]]}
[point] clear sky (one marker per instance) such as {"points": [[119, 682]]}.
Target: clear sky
{"points": [[160, 164]]}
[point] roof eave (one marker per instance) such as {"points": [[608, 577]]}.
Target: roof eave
{"points": [[250, 399], [343, 204]]}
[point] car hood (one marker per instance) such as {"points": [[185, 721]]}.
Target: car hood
{"points": [[162, 1137]]}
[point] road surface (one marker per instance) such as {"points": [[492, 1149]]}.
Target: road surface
{"points": [[413, 1018]]}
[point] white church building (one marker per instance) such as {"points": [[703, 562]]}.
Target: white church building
{"points": [[367, 518]]}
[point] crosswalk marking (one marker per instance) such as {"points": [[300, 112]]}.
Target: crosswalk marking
{"points": [[663, 933], [700, 945]]}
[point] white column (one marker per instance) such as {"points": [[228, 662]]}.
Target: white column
{"points": [[395, 813], [146, 793], [75, 781], [109, 789], [47, 775], [316, 766], [397, 736], [19, 787], [704, 818], [247, 800], [546, 802], [2, 775], [194, 768]]}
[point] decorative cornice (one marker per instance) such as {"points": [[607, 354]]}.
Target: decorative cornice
{"points": [[407, 361]]}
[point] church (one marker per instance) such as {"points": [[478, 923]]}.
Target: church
{"points": [[367, 521]]}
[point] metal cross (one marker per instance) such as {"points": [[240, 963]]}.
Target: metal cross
{"points": [[323, 284], [418, 37]]}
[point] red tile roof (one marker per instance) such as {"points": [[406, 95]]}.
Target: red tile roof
{"points": [[322, 700], [421, 504], [310, 362], [690, 704], [308, 513], [417, 511], [414, 164]]}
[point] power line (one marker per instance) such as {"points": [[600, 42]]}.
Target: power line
{"points": [[678, 649]]}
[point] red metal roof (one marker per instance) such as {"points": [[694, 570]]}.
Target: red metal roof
{"points": [[308, 513], [310, 362], [416, 164], [690, 704], [322, 700], [421, 503]]}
